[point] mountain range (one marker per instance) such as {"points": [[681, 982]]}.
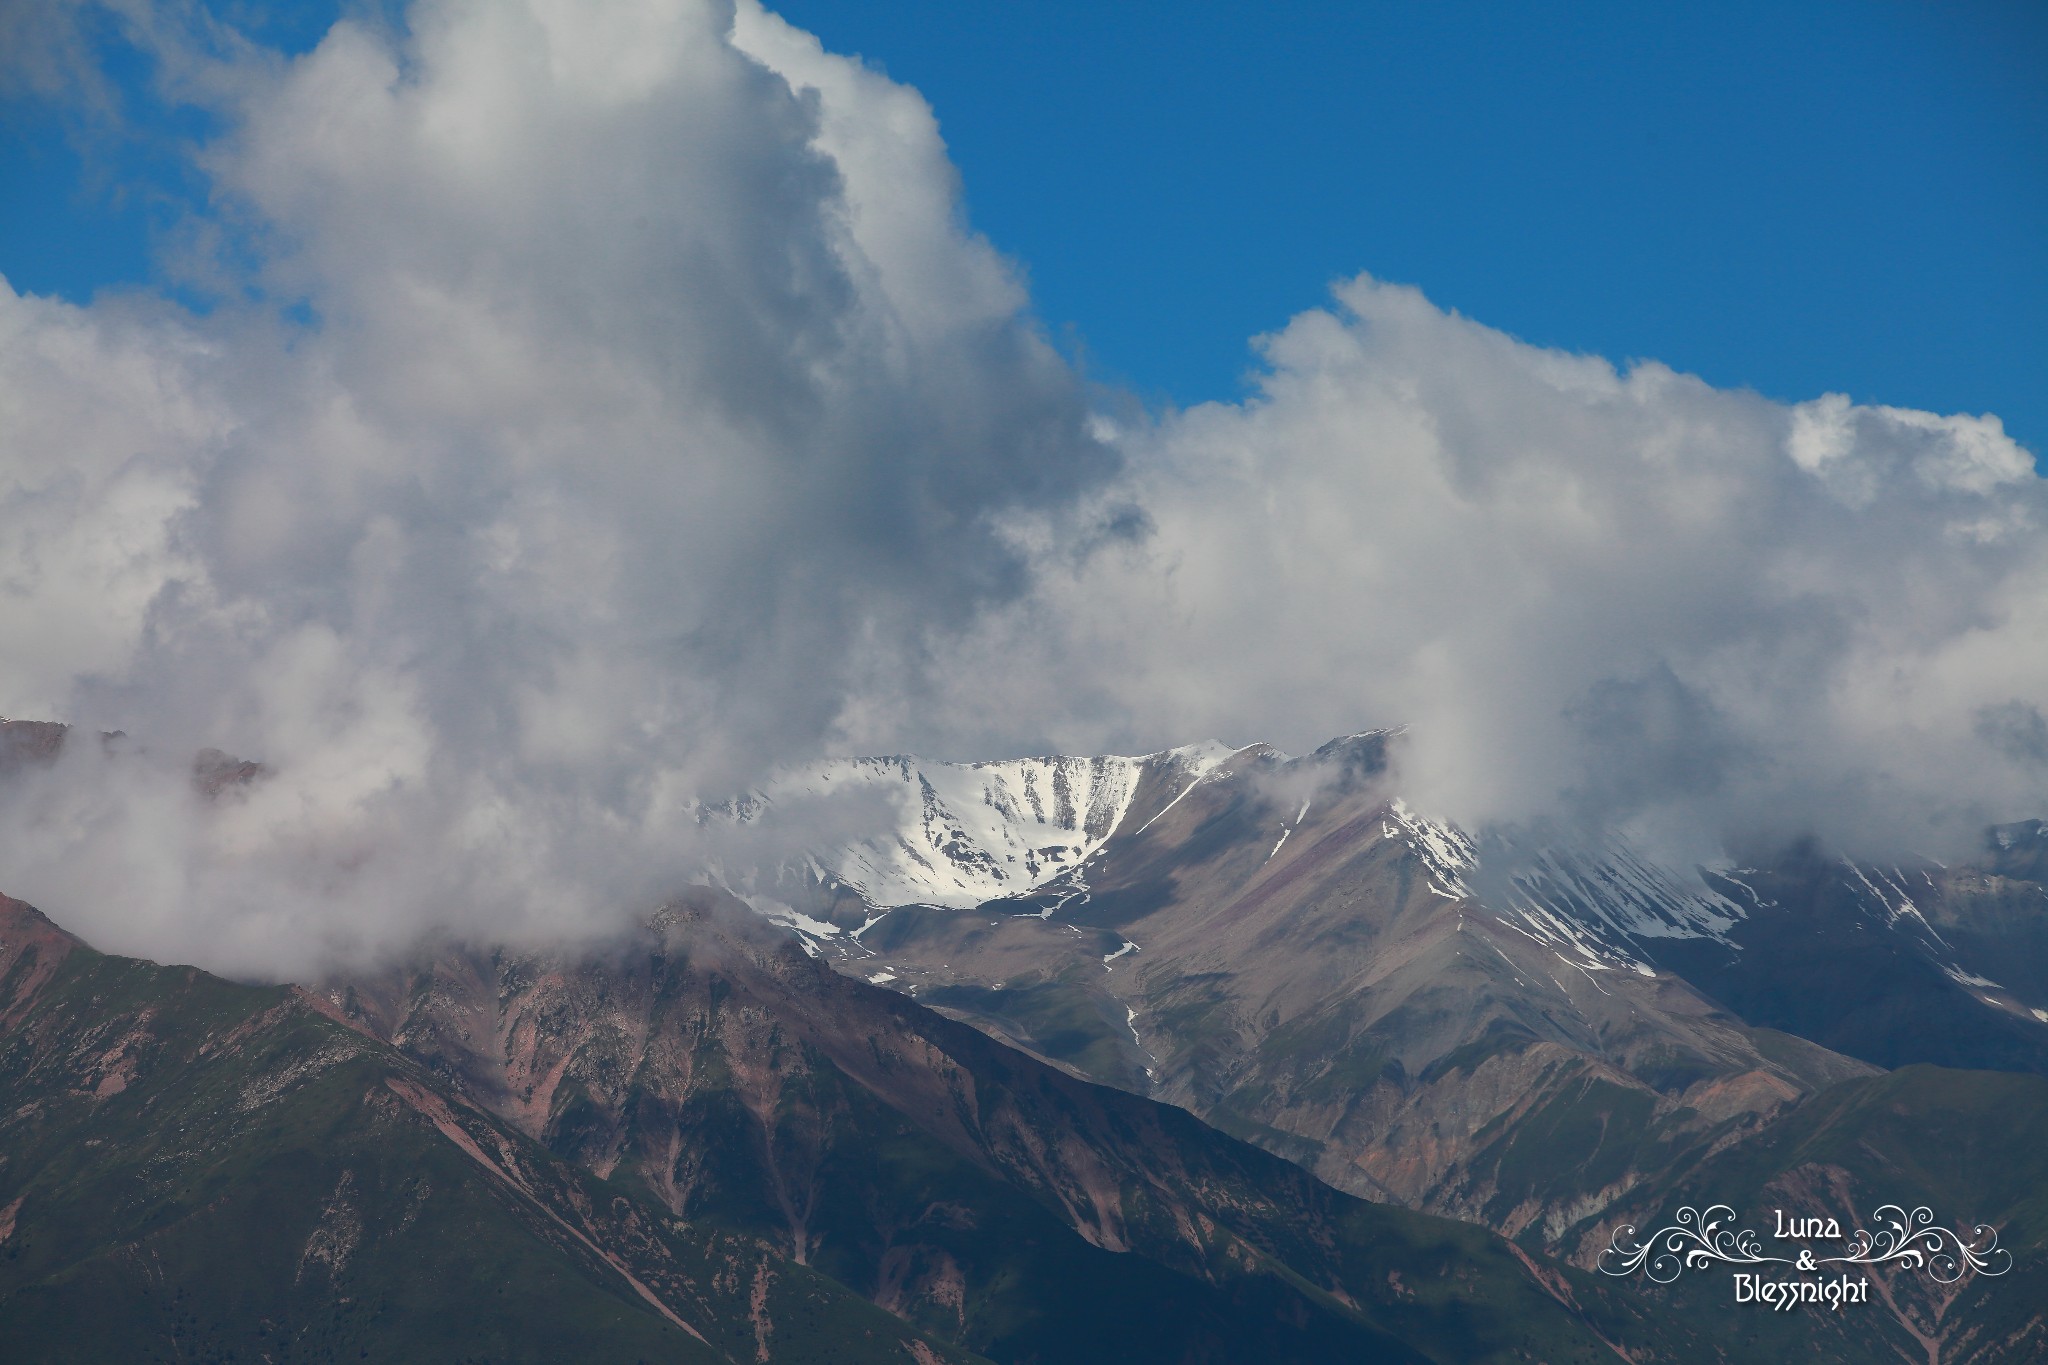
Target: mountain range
{"points": [[1207, 1055], [1542, 1036]]}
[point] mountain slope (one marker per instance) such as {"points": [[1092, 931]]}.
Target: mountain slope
{"points": [[1895, 964], [1963, 1144], [1286, 950], [191, 1169], [1031, 1216]]}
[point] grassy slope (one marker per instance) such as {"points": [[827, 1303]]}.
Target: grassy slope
{"points": [[1966, 1144], [195, 1170], [951, 1178], [251, 1187]]}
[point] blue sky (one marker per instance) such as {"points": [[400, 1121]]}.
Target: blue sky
{"points": [[589, 426], [1795, 197]]}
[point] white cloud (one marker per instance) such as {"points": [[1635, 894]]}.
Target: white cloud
{"points": [[662, 422], [654, 395], [97, 419], [1621, 596]]}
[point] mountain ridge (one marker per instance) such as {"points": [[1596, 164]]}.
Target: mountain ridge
{"points": [[341, 1153], [1290, 951]]}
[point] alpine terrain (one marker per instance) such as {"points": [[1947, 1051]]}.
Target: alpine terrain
{"points": [[1546, 1036], [1208, 1055]]}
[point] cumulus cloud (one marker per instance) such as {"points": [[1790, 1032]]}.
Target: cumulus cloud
{"points": [[1619, 597], [607, 403], [603, 391]]}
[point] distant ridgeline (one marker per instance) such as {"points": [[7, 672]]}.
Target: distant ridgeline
{"points": [[1208, 1054]]}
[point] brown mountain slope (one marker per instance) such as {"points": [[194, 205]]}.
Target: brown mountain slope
{"points": [[196, 1170], [1288, 952], [719, 1070]]}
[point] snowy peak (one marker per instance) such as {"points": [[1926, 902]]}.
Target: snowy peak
{"points": [[959, 835], [973, 832], [1443, 849]]}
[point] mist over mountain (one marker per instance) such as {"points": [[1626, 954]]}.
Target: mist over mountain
{"points": [[606, 408], [1604, 596]]}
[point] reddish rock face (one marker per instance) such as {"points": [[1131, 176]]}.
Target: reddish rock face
{"points": [[37, 743], [187, 1164], [620, 1059], [715, 1065], [31, 948]]}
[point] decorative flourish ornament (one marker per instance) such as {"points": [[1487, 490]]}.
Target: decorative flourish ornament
{"points": [[1695, 1240], [1916, 1241]]}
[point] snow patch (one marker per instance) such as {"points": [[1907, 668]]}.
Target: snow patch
{"points": [[775, 912], [1199, 760], [967, 833]]}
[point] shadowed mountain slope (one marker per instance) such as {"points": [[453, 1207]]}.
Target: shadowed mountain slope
{"points": [[195, 1170], [1286, 950], [718, 1070], [1963, 1145]]}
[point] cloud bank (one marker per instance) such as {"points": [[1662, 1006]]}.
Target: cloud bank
{"points": [[1602, 596], [608, 403], [607, 391]]}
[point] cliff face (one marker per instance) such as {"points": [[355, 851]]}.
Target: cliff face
{"points": [[29, 742]]}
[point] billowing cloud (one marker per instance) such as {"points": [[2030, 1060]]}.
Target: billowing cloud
{"points": [[1619, 597], [620, 389], [608, 404]]}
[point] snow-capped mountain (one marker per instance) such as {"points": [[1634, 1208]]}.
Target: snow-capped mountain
{"points": [[1289, 949], [1032, 834], [1544, 1035], [963, 833]]}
